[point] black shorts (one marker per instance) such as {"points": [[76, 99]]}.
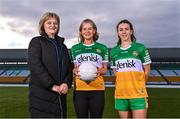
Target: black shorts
{"points": [[89, 103]]}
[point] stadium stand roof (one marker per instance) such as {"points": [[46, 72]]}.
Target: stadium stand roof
{"points": [[165, 54], [13, 55]]}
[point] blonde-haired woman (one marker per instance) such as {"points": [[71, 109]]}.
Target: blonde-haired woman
{"points": [[89, 95], [51, 70]]}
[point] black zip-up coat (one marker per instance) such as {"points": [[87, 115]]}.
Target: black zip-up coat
{"points": [[48, 65]]}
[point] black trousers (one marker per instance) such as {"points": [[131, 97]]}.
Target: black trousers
{"points": [[89, 104]]}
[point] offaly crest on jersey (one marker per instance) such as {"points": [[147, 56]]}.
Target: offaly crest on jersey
{"points": [[98, 50], [135, 53]]}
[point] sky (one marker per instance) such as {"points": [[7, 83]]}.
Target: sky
{"points": [[156, 22]]}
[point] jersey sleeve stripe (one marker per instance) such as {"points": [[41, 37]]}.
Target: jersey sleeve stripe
{"points": [[147, 63]]}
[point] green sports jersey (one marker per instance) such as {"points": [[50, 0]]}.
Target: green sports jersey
{"points": [[130, 77], [135, 51], [95, 53]]}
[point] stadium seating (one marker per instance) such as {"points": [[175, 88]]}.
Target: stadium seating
{"points": [[13, 76], [165, 66]]}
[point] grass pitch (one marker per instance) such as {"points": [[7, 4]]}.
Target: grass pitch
{"points": [[163, 103]]}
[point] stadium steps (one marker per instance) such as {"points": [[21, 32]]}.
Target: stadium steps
{"points": [[156, 79], [27, 79], [16, 79], [2, 71], [173, 78]]}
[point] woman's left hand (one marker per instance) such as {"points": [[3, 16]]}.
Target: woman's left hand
{"points": [[101, 71], [63, 88]]}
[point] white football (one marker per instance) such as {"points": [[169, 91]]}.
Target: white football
{"points": [[87, 71]]}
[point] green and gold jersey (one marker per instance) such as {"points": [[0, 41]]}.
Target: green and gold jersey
{"points": [[95, 53], [130, 77]]}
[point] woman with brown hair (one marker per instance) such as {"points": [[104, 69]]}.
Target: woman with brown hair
{"points": [[131, 63]]}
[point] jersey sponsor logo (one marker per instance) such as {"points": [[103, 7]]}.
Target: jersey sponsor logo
{"points": [[131, 64], [91, 57], [127, 64]]}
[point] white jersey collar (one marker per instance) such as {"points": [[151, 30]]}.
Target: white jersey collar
{"points": [[89, 44], [125, 48]]}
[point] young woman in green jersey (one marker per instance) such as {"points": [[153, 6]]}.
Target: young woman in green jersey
{"points": [[131, 63], [89, 96]]}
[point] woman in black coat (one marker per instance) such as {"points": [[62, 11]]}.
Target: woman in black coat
{"points": [[51, 70]]}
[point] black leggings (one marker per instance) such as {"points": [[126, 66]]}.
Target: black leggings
{"points": [[89, 103]]}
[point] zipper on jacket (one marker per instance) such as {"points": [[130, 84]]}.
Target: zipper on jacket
{"points": [[57, 53]]}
